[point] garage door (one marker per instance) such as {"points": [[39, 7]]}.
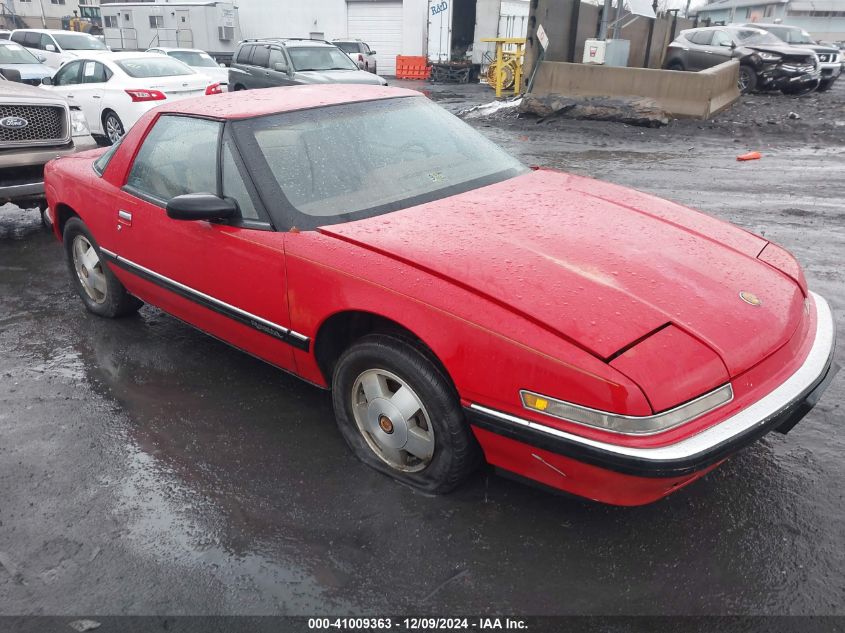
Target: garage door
{"points": [[379, 24]]}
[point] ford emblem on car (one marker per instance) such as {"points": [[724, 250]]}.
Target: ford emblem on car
{"points": [[13, 122]]}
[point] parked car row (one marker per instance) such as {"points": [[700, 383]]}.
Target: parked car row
{"points": [[269, 62], [104, 93], [771, 56]]}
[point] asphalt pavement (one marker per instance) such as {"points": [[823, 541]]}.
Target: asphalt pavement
{"points": [[147, 468]]}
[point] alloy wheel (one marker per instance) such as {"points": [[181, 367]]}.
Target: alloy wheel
{"points": [[89, 269], [393, 420], [114, 129]]}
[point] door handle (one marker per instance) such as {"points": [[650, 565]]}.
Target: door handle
{"points": [[124, 217], [96, 97], [69, 96]]}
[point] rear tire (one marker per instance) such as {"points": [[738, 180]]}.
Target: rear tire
{"points": [[99, 289], [418, 437], [675, 65], [113, 127], [747, 80], [239, 87]]}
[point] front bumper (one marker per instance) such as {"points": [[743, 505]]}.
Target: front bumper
{"points": [[22, 169], [830, 71], [780, 409]]}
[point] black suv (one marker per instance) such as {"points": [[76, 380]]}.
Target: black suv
{"points": [[269, 62], [829, 56], [765, 61]]}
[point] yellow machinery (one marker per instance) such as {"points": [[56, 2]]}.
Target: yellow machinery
{"points": [[505, 73]]}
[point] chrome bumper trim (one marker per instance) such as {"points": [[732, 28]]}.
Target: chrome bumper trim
{"points": [[759, 413]]}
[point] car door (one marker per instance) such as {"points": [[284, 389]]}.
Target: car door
{"points": [[51, 50], [67, 80], [720, 49], [226, 279], [700, 56], [88, 93], [370, 57], [259, 66], [278, 68]]}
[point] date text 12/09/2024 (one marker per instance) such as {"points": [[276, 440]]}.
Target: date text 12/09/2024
{"points": [[417, 624]]}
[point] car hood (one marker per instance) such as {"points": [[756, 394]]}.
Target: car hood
{"points": [[30, 71], [786, 50], [818, 48], [601, 265], [19, 92], [338, 77]]}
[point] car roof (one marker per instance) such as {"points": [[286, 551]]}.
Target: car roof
{"points": [[245, 105], [289, 41], [765, 25], [52, 31], [170, 49]]}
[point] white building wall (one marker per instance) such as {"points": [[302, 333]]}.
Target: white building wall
{"points": [[295, 18]]}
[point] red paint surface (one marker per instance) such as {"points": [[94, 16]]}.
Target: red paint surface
{"points": [[533, 283]]}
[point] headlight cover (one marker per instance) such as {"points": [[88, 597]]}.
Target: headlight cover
{"points": [[78, 123], [627, 424]]}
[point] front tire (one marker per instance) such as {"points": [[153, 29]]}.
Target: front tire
{"points": [[113, 127], [826, 85], [99, 289], [747, 80], [401, 416]]}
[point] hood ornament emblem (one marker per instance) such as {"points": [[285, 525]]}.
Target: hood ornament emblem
{"points": [[750, 298]]}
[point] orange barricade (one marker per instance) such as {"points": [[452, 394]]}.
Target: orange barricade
{"points": [[412, 67]]}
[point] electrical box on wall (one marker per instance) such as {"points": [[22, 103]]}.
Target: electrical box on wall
{"points": [[607, 52], [594, 51]]}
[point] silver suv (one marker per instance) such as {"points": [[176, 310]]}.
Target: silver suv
{"points": [[35, 127], [267, 63]]}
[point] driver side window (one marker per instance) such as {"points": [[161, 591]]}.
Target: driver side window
{"points": [[720, 38], [178, 156], [68, 75]]}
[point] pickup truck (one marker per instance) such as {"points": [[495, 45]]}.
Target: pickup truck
{"points": [[35, 127]]}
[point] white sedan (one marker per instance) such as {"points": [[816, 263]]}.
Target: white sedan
{"points": [[199, 60], [115, 89]]}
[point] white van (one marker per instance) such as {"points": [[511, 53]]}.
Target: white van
{"points": [[57, 47]]}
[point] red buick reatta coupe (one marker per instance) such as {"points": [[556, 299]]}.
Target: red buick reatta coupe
{"points": [[460, 306]]}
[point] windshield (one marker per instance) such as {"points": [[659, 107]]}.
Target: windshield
{"points": [[347, 47], [340, 163], [11, 53], [758, 37], [194, 58], [792, 36], [158, 66], [79, 42], [319, 58]]}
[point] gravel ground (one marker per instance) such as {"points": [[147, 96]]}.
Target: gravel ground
{"points": [[146, 468]]}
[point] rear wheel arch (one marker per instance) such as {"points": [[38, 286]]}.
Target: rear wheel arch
{"points": [[338, 332]]}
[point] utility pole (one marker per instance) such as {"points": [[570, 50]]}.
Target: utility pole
{"points": [[605, 15]]}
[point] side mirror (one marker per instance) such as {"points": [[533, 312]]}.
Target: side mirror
{"points": [[46, 81], [11, 74], [733, 45], [41, 57], [201, 206], [280, 67], [50, 48], [373, 53], [222, 65]]}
